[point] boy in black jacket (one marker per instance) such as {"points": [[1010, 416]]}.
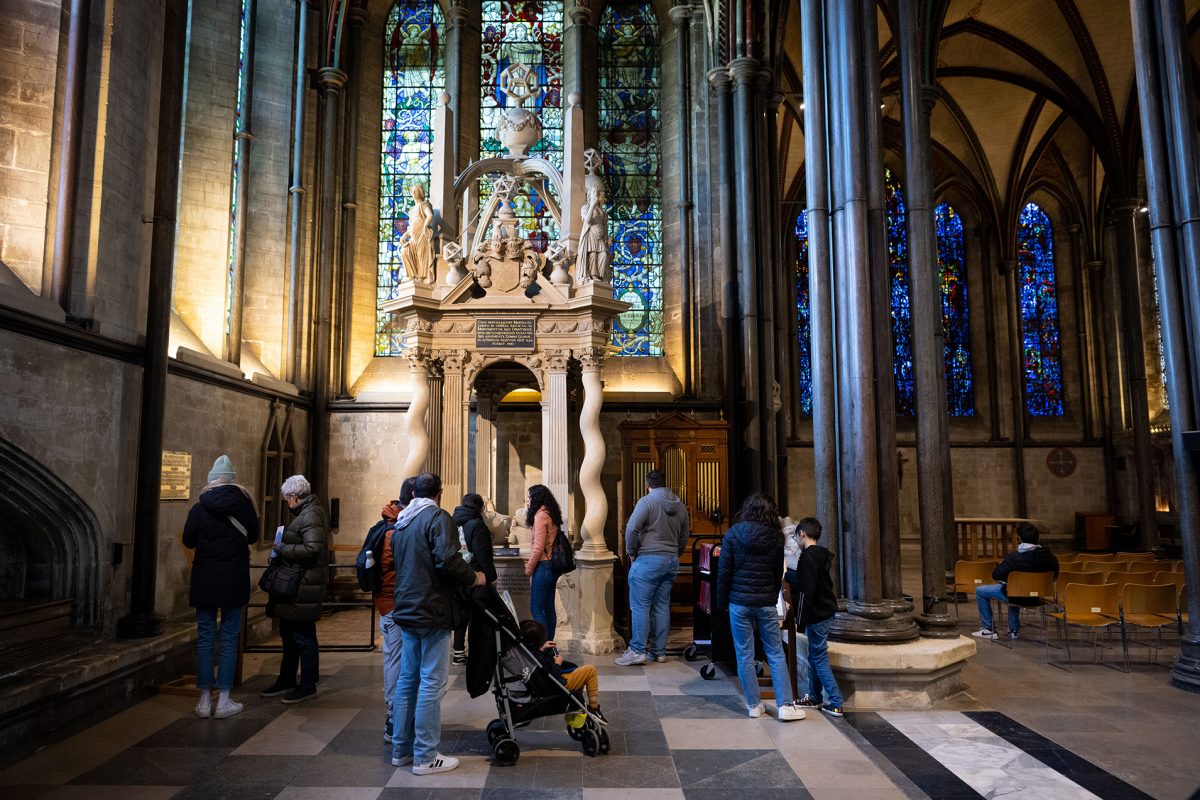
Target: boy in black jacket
{"points": [[814, 603], [1028, 557]]}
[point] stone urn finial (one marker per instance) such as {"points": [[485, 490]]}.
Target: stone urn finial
{"points": [[519, 128]]}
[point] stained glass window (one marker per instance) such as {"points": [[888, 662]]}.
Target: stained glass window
{"points": [[952, 277], [897, 245], [1039, 314], [628, 106], [524, 32], [239, 127], [413, 77], [803, 320]]}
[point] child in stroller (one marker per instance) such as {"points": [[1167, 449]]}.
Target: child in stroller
{"points": [[523, 686], [574, 677]]}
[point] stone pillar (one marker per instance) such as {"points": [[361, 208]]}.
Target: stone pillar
{"points": [[142, 621], [434, 421], [236, 261], [296, 193], [1168, 263], [580, 60], [681, 17], [555, 455], [1009, 270], [1082, 325], [441, 187], [330, 81], [414, 418], [1129, 272], [820, 288], [485, 444], [574, 195], [935, 491], [357, 16], [868, 616], [766, 222], [462, 28], [455, 407]]}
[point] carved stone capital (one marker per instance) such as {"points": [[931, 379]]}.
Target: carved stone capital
{"points": [[930, 94], [557, 360], [744, 70], [582, 14], [681, 14], [457, 14], [718, 78], [418, 357], [454, 360], [357, 14], [331, 79], [591, 357]]}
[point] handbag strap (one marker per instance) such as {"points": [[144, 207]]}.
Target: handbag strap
{"points": [[239, 526]]}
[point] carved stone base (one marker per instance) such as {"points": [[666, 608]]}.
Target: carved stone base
{"points": [[879, 623], [592, 613], [1186, 672]]}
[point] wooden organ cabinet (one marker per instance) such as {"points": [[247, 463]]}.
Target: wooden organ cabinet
{"points": [[694, 454]]}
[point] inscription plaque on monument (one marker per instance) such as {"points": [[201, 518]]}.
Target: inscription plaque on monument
{"points": [[504, 333], [176, 481]]}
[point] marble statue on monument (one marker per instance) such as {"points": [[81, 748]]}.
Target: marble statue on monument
{"points": [[416, 245], [595, 248]]}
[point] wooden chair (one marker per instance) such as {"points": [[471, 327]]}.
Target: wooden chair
{"points": [[1092, 607], [1147, 606], [1176, 579], [1069, 566], [968, 575], [1143, 567], [1097, 557], [1135, 556], [1177, 566], [1091, 565], [1064, 578], [1031, 586]]}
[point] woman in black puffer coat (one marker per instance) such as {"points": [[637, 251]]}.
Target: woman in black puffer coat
{"points": [[304, 544], [749, 577], [220, 528], [478, 540]]}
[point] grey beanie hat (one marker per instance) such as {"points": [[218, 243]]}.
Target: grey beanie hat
{"points": [[222, 470]]}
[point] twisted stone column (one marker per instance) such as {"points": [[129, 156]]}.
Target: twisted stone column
{"points": [[414, 418], [594, 451]]}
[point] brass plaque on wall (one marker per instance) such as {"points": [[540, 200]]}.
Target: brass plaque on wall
{"points": [[176, 475]]}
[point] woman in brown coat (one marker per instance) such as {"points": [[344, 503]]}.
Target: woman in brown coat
{"points": [[303, 544]]}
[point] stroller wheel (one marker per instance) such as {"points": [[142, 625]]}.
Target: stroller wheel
{"points": [[605, 744], [708, 672], [495, 730], [575, 733], [505, 752], [691, 653], [590, 742]]}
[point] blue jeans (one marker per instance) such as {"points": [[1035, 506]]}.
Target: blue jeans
{"points": [[984, 595], [206, 634], [744, 622], [392, 642], [820, 674], [541, 597], [424, 667], [650, 580]]}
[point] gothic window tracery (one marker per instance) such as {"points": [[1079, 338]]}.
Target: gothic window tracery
{"points": [[413, 78], [952, 278], [629, 125], [1038, 299], [803, 319]]}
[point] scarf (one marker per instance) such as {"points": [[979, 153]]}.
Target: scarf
{"points": [[1025, 547], [411, 510]]}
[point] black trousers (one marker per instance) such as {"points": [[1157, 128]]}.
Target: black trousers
{"points": [[299, 649], [460, 637]]}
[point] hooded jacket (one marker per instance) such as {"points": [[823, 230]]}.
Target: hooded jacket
{"points": [[479, 540], [812, 586], [428, 569], [1033, 558], [304, 543], [221, 567], [750, 566], [658, 525]]}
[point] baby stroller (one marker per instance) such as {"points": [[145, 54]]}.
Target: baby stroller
{"points": [[524, 690]]}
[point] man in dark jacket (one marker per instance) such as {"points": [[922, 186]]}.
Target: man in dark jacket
{"points": [[428, 567], [220, 528], [814, 604], [304, 544], [655, 538], [477, 538], [1028, 557]]}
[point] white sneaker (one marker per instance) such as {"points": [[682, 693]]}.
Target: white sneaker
{"points": [[788, 712], [439, 764], [985, 633], [661, 658], [630, 659], [757, 711], [204, 707], [227, 709]]}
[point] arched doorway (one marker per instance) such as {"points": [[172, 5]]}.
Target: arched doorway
{"points": [[505, 451]]}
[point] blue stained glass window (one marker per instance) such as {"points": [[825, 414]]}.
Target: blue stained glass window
{"points": [[952, 276], [629, 125], [897, 245], [413, 78], [1039, 314], [803, 319], [524, 32]]}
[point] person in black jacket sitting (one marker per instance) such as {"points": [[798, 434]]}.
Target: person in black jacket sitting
{"points": [[749, 577], [1028, 557], [475, 535]]}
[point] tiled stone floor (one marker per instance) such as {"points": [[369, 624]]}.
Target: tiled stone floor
{"points": [[1023, 730]]}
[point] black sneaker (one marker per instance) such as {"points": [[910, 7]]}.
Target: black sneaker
{"points": [[808, 702], [276, 689], [598, 714], [387, 729], [832, 710], [460, 657], [300, 694]]}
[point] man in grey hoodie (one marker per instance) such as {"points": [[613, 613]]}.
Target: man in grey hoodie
{"points": [[655, 538]]}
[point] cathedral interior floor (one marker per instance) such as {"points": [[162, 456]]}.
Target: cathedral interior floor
{"points": [[1024, 729]]}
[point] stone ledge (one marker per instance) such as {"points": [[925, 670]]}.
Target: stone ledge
{"points": [[919, 655]]}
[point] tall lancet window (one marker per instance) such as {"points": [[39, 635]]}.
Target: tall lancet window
{"points": [[897, 245], [239, 127], [803, 318], [1039, 314], [952, 274], [530, 33], [413, 77], [629, 123]]}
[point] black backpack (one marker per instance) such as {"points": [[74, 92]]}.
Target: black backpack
{"points": [[371, 578], [562, 556]]}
